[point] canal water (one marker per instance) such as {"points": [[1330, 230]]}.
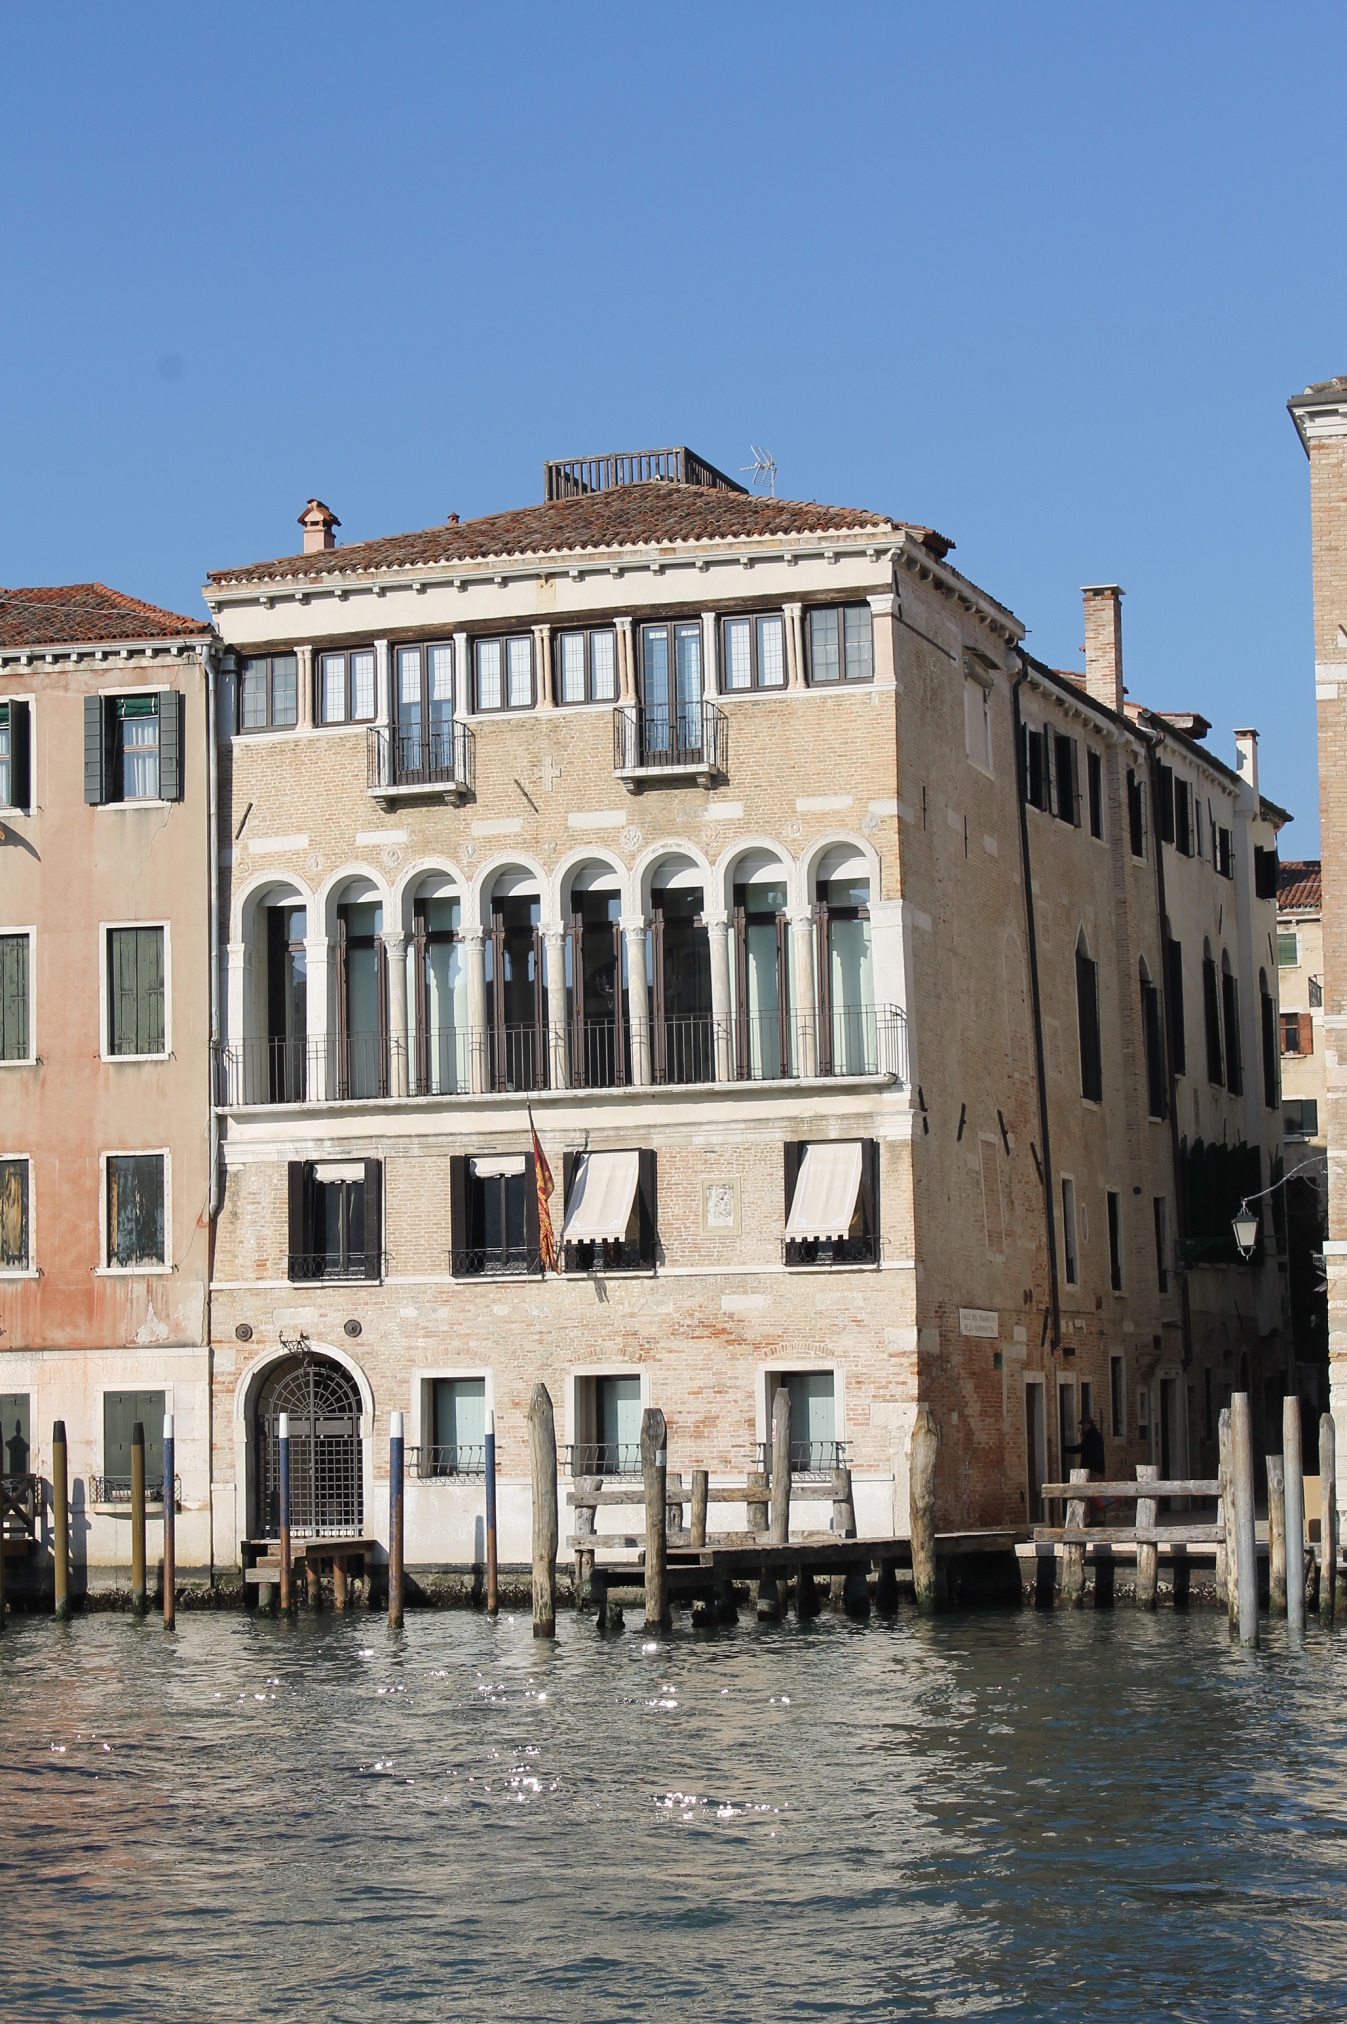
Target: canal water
{"points": [[1002, 1815]]}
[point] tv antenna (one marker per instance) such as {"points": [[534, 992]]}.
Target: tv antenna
{"points": [[762, 469]]}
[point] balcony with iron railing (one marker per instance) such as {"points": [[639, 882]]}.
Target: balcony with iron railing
{"points": [[116, 1491], [311, 1267], [441, 1463], [653, 741], [810, 1461], [681, 1050], [603, 1458], [408, 760]]}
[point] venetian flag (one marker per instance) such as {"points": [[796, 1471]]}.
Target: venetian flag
{"points": [[542, 1174]]}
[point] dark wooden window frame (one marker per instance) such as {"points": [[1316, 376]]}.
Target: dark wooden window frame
{"points": [[321, 656], [504, 707], [843, 679], [425, 938], [1136, 814], [1234, 1039], [1113, 1207], [1174, 1013], [1153, 1050], [496, 1003], [16, 714], [270, 721], [1094, 769], [1065, 779], [465, 1222], [1087, 1023], [305, 1250], [588, 634], [621, 1024], [756, 686]]}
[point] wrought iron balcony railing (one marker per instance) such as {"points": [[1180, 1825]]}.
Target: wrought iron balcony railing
{"points": [[808, 1459], [494, 1261], [302, 1267], [455, 1460], [651, 739], [604, 1458], [409, 759], [117, 1490]]}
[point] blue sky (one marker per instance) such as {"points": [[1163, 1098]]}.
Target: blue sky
{"points": [[1041, 276]]}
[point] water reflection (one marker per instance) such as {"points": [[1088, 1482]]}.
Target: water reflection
{"points": [[1111, 1817]]}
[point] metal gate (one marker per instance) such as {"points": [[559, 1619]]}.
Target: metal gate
{"points": [[326, 1492]]}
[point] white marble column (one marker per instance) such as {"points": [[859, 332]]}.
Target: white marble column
{"points": [[804, 997], [462, 675], [638, 1001], [236, 1080], [884, 605], [542, 667], [383, 706], [321, 1064], [795, 670], [395, 950], [709, 657], [479, 1038], [722, 1009], [554, 941], [304, 686], [626, 663]]}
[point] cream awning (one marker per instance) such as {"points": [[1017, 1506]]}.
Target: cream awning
{"points": [[826, 1188], [601, 1199], [492, 1168]]}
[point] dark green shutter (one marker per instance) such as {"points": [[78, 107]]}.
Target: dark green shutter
{"points": [[20, 755], [170, 744], [460, 1239], [870, 1191], [647, 1199], [299, 1233], [13, 997], [373, 1219], [95, 751]]}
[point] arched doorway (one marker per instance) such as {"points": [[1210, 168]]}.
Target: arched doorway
{"points": [[326, 1488]]}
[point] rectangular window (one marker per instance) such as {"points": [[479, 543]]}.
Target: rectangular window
{"points": [[610, 1204], [1300, 1116], [1161, 1213], [1094, 767], [1265, 872], [135, 959], [1288, 949], [135, 1207], [1066, 784], [14, 1180], [1087, 1018], [1164, 804], [1070, 1258], [1117, 1398], [1036, 773], [1136, 813], [1234, 1050], [977, 722], [15, 753], [335, 1219], [1115, 1270], [841, 644], [607, 1426], [1183, 817], [586, 666], [493, 1215], [14, 998], [1174, 977], [268, 692], [121, 1411], [813, 1416], [832, 1202], [133, 747], [136, 748], [1297, 1033], [1153, 1042], [457, 1445], [1225, 853], [347, 686], [753, 652], [504, 672]]}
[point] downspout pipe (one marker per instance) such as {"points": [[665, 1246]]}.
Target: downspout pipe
{"points": [[210, 668], [1155, 740], [1036, 1002]]}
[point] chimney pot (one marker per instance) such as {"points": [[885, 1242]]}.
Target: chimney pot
{"points": [[318, 522], [1103, 643]]}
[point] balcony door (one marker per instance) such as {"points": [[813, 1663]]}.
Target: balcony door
{"points": [[596, 1007], [761, 980], [425, 714], [678, 968], [440, 992], [362, 1002], [848, 1041], [515, 984], [287, 1004], [671, 692]]}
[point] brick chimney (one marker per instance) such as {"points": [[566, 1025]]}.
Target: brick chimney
{"points": [[318, 522], [1103, 643]]}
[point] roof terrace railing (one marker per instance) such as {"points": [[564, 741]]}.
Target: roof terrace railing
{"points": [[573, 477]]}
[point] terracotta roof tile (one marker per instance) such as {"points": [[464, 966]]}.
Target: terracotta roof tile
{"points": [[626, 516], [76, 614], [1299, 885]]}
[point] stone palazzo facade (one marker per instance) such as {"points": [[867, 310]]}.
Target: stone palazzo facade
{"points": [[896, 1015]]}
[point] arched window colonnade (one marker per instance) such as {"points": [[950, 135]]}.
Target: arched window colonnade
{"points": [[595, 974]]}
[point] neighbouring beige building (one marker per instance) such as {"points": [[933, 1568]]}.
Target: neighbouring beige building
{"points": [[1300, 969], [897, 1016], [105, 1098]]}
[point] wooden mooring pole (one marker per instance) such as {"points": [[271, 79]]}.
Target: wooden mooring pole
{"points": [[1073, 1557], [543, 1470], [492, 1565], [1328, 1518], [1223, 1505], [1276, 1535], [138, 1518], [395, 1519], [1228, 1520], [283, 1499], [1241, 1475], [1148, 1556], [701, 1491], [170, 1528], [60, 1522], [654, 1471], [1293, 1463], [921, 1507], [586, 1525], [778, 1523]]}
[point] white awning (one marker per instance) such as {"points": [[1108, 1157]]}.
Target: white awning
{"points": [[497, 1164], [339, 1170], [826, 1188], [601, 1199]]}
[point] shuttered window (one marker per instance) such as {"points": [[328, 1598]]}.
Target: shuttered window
{"points": [[15, 768], [14, 1039], [136, 1209], [13, 1215], [121, 1410], [135, 991], [133, 747], [1087, 1016]]}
